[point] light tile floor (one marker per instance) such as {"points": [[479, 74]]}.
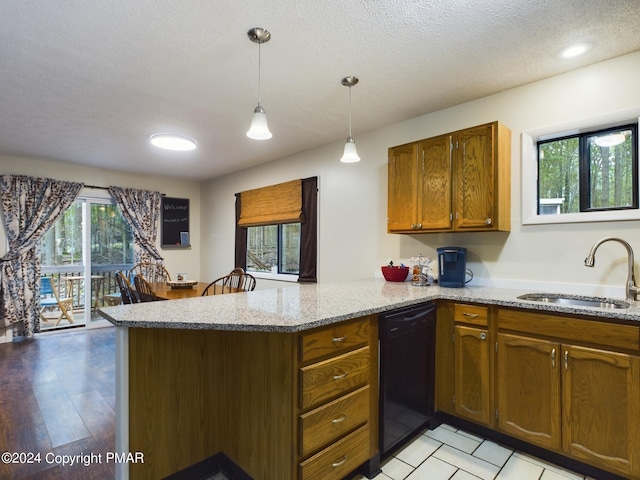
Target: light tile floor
{"points": [[447, 453]]}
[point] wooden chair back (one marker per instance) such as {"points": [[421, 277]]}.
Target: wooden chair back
{"points": [[144, 290], [236, 281], [126, 290], [152, 272]]}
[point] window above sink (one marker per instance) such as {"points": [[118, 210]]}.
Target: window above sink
{"points": [[575, 172]]}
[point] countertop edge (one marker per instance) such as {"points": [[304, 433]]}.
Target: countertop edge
{"points": [[298, 308]]}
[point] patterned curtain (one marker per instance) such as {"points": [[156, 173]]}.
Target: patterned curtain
{"points": [[30, 206], [141, 208]]}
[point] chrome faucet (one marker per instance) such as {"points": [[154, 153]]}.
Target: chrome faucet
{"points": [[632, 289]]}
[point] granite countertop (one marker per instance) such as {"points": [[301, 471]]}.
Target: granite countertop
{"points": [[300, 307]]}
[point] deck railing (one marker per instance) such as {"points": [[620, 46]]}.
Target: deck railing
{"points": [[108, 285]]}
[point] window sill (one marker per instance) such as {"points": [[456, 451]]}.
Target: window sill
{"points": [[280, 277]]}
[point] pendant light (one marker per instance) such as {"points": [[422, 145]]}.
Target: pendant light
{"points": [[350, 154], [259, 129]]}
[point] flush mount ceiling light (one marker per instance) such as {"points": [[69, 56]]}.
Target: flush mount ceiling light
{"points": [[350, 154], [171, 141], [575, 50], [259, 129], [610, 140]]}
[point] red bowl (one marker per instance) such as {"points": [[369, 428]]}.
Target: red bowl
{"points": [[395, 274]]}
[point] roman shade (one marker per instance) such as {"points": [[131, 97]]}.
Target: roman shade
{"points": [[275, 204]]}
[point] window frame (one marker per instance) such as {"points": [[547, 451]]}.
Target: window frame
{"points": [[279, 275], [529, 173]]}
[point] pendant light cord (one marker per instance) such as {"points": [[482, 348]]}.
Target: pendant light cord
{"points": [[259, 71], [349, 111]]}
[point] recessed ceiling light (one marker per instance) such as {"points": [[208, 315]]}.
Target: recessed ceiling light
{"points": [[170, 141], [575, 50]]}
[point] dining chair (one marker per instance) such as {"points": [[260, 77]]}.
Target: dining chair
{"points": [[152, 272], [50, 299], [127, 294], [236, 281], [144, 290]]}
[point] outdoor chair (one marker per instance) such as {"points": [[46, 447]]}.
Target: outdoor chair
{"points": [[50, 299]]}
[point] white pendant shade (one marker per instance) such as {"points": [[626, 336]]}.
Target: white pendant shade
{"points": [[259, 129], [350, 154]]}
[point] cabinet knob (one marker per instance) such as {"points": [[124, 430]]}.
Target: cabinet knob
{"points": [[413, 226], [488, 221], [483, 336], [418, 226]]}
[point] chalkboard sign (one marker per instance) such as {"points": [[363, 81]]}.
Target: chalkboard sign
{"points": [[175, 222]]}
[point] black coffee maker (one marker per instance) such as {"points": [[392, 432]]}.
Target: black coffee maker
{"points": [[452, 266]]}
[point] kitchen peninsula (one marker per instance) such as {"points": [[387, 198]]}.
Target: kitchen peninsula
{"points": [[243, 373]]}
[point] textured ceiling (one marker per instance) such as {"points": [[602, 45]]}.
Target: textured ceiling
{"points": [[88, 82]]}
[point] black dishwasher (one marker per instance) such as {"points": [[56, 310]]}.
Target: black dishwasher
{"points": [[407, 373]]}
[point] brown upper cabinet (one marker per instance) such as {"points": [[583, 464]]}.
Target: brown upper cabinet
{"points": [[459, 181]]}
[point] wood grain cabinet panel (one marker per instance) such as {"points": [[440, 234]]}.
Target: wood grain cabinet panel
{"points": [[472, 374], [339, 459], [331, 378], [459, 181], [529, 389], [561, 390], [328, 423], [601, 408], [335, 339], [338, 399]]}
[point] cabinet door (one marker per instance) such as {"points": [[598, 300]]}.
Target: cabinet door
{"points": [[473, 167], [529, 389], [472, 374], [402, 210], [434, 199], [601, 408]]}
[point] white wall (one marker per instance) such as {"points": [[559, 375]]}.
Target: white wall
{"points": [[183, 260], [353, 242]]}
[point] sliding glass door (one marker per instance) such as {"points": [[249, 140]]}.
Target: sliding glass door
{"points": [[82, 252]]}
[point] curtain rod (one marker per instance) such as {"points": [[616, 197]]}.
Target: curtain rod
{"points": [[107, 188]]}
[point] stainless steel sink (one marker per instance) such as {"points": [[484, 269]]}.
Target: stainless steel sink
{"points": [[576, 300]]}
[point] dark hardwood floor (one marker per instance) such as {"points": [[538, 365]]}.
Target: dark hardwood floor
{"points": [[57, 399]]}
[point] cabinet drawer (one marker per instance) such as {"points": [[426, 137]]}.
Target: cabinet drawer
{"points": [[334, 339], [579, 330], [326, 424], [331, 378], [471, 314], [338, 460]]}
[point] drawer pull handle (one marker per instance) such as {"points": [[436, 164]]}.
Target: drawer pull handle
{"points": [[339, 339], [339, 419], [340, 377], [471, 315], [341, 462]]}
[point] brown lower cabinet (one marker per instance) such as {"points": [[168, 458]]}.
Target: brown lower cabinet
{"points": [[286, 406], [566, 383], [571, 385]]}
